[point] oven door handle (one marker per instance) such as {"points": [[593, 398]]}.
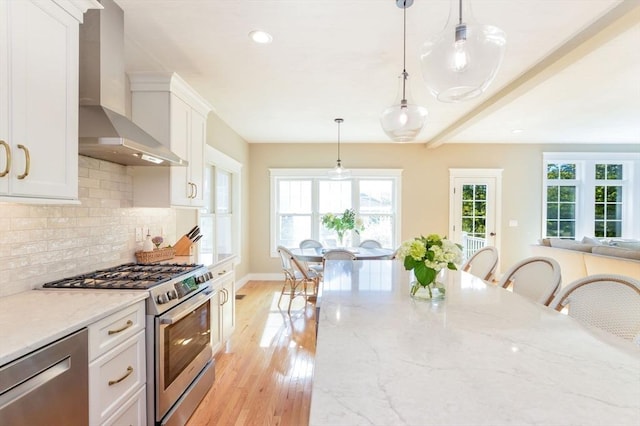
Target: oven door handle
{"points": [[194, 304]]}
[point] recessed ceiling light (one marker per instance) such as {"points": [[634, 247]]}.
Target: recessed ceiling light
{"points": [[261, 37], [517, 131]]}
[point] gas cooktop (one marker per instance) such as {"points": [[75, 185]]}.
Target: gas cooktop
{"points": [[130, 276]]}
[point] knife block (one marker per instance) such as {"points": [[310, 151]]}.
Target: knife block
{"points": [[183, 246]]}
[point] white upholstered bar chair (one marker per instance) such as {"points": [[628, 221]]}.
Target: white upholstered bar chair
{"points": [[296, 277], [536, 278], [482, 263], [370, 244], [606, 301]]}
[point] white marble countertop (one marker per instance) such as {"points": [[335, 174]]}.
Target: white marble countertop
{"points": [[32, 319], [483, 356]]}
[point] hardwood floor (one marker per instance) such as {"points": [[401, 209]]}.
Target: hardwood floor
{"points": [[264, 375]]}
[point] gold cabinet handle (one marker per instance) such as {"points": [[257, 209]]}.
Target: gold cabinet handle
{"points": [[7, 150], [127, 374], [27, 158], [123, 328], [193, 191]]}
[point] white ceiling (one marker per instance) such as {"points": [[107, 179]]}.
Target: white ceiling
{"points": [[571, 72]]}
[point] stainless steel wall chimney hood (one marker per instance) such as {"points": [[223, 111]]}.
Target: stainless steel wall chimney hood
{"points": [[104, 131]]}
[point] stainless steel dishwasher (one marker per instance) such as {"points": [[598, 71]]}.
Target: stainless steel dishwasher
{"points": [[48, 386]]}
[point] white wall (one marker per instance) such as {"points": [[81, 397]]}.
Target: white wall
{"points": [[425, 186]]}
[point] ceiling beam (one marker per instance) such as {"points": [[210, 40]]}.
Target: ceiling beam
{"points": [[615, 22]]}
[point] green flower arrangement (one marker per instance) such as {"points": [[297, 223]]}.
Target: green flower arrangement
{"points": [[343, 223], [428, 256]]}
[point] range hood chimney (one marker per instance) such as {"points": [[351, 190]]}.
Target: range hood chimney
{"points": [[104, 131]]}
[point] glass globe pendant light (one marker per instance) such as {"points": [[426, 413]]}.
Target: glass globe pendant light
{"points": [[339, 172], [461, 61], [403, 120]]}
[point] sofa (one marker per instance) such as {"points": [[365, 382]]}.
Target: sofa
{"points": [[579, 259]]}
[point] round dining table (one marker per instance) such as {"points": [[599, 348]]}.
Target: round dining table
{"points": [[316, 254]]}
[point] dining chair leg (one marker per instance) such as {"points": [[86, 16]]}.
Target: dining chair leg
{"points": [[292, 292], [284, 286]]}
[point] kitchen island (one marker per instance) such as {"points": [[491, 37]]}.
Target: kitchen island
{"points": [[483, 356]]}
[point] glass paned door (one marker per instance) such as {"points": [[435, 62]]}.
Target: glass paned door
{"points": [[474, 203]]}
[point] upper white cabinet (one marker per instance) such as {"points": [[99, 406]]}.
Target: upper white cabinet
{"points": [[171, 111], [39, 99]]}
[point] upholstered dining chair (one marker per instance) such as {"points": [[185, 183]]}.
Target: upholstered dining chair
{"points": [[606, 301], [370, 244], [482, 263], [309, 243], [296, 277], [338, 254], [536, 278], [314, 266]]}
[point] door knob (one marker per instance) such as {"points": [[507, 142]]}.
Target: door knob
{"points": [[493, 234]]}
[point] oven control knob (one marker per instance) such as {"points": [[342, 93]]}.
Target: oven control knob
{"points": [[209, 275], [172, 294], [162, 298]]}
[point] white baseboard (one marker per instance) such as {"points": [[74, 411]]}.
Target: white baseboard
{"points": [[258, 277]]}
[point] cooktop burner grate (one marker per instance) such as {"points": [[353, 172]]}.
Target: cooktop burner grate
{"points": [[130, 276]]}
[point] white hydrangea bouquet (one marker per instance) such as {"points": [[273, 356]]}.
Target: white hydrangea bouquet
{"points": [[427, 256]]}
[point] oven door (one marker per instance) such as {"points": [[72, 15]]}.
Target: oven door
{"points": [[183, 348]]}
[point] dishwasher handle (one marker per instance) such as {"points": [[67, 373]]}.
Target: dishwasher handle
{"points": [[34, 382]]}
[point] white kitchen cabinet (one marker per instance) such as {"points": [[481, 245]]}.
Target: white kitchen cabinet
{"points": [[132, 412], [171, 111], [224, 283], [117, 368], [39, 99]]}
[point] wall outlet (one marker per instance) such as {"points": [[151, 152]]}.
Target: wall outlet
{"points": [[139, 236], [513, 223]]}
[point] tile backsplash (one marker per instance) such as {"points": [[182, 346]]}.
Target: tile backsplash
{"points": [[40, 243]]}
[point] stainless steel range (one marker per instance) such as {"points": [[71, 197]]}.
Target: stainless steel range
{"points": [[180, 366]]}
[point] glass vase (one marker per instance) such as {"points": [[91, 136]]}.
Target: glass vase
{"points": [[434, 291]]}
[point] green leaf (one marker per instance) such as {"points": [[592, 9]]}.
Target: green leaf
{"points": [[423, 274], [410, 263]]}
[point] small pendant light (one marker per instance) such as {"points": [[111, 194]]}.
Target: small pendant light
{"points": [[404, 120], [339, 172], [461, 61]]}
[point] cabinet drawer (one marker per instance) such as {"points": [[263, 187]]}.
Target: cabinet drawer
{"points": [[222, 271], [115, 329], [115, 377], [132, 413]]}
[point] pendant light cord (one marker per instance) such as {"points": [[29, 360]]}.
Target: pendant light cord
{"points": [[460, 12], [404, 51], [338, 120], [338, 142]]}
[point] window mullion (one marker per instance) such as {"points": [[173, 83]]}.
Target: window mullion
{"points": [[315, 209]]}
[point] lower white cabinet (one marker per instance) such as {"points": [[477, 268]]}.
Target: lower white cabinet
{"points": [[117, 368], [228, 306], [132, 412], [223, 321]]}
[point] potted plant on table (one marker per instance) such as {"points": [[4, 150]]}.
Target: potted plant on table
{"points": [[427, 256], [343, 223]]}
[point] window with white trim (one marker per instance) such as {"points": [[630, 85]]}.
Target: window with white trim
{"points": [[219, 219], [300, 197], [591, 194]]}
